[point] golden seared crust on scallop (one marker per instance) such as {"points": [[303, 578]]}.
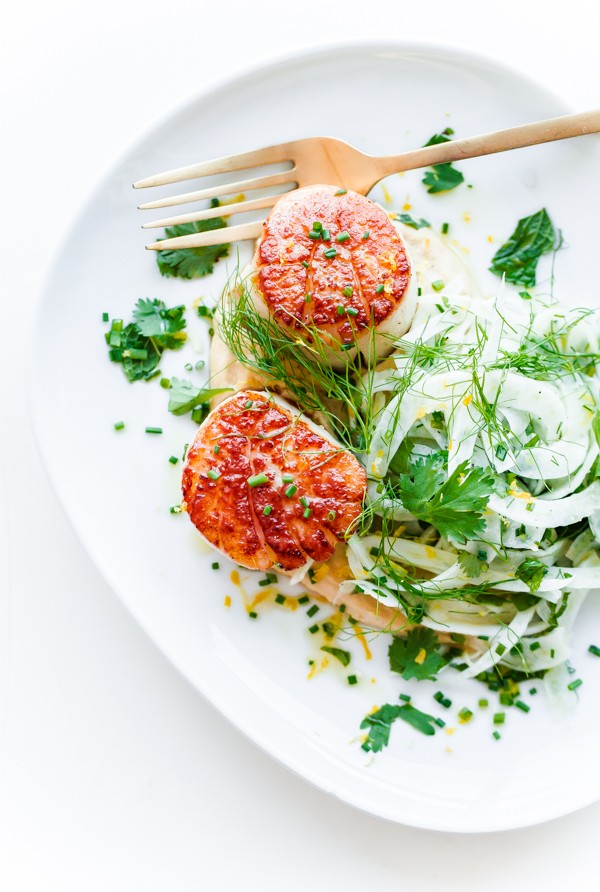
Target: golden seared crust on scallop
{"points": [[236, 495], [332, 259]]}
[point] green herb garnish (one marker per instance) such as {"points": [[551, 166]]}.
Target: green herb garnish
{"points": [[517, 259]]}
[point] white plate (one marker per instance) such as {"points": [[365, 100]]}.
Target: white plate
{"points": [[117, 487]]}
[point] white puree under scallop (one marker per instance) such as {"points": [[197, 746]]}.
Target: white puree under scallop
{"points": [[432, 259]]}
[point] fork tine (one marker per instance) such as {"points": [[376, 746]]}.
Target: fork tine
{"points": [[213, 237], [278, 179], [268, 155], [228, 210]]}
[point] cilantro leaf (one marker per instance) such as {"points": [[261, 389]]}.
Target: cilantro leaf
{"points": [[139, 345], [165, 326], [517, 259], [531, 572], [421, 223], [139, 356], [455, 506], [183, 396], [379, 724], [192, 263], [442, 177], [471, 565], [342, 655], [416, 655]]}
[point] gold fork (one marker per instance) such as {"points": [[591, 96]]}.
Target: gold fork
{"points": [[326, 160]]}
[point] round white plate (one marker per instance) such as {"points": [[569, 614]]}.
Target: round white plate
{"points": [[117, 487]]}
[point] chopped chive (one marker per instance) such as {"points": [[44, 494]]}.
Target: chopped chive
{"points": [[119, 425], [154, 430], [304, 502], [366, 234], [257, 480], [342, 237], [347, 346], [506, 699], [291, 490], [465, 715], [216, 449], [575, 684], [347, 291], [593, 649], [501, 451], [173, 459], [352, 311], [248, 404], [184, 453], [215, 565], [317, 226], [176, 509], [484, 637], [189, 367], [500, 650], [496, 735], [325, 235], [445, 228], [200, 365], [306, 513], [267, 510], [304, 599], [342, 608], [529, 506], [263, 582], [522, 706], [312, 611], [214, 475], [552, 652], [280, 599], [352, 679], [533, 691], [379, 288], [331, 517], [499, 718], [313, 629], [305, 264], [440, 723], [199, 414], [483, 704], [405, 697], [307, 298], [535, 645], [340, 192], [288, 478], [329, 630], [437, 285], [253, 614], [330, 253], [105, 317], [419, 292], [341, 310], [315, 234]]}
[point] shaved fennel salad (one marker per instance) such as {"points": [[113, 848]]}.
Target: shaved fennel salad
{"points": [[483, 466]]}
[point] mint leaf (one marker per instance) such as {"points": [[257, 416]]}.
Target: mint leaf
{"points": [[517, 259], [442, 177]]}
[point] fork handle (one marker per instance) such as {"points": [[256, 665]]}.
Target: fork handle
{"points": [[488, 143]]}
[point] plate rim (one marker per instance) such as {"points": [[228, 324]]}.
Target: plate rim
{"points": [[264, 68]]}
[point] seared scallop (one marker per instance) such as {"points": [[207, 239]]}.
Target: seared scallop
{"points": [[268, 487], [331, 260]]}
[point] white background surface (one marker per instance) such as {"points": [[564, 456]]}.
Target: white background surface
{"points": [[114, 774]]}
